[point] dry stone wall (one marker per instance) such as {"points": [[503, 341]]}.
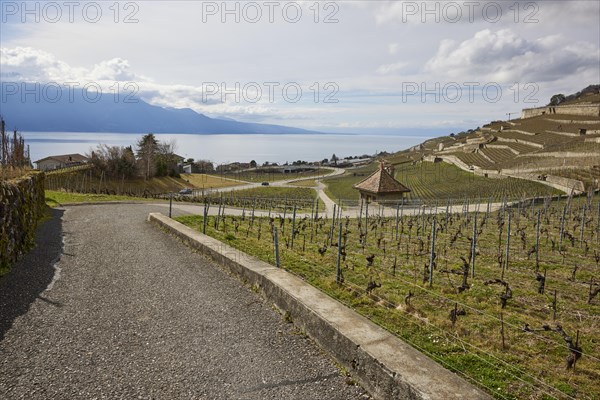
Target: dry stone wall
{"points": [[588, 110], [22, 204]]}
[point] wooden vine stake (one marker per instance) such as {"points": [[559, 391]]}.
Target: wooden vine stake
{"points": [[554, 307], [206, 207], [360, 212], [598, 223], [276, 242], [562, 228], [432, 253], [332, 224], [506, 258], [473, 246], [502, 330], [397, 218], [338, 274], [537, 242], [293, 226], [577, 349], [366, 223], [582, 226]]}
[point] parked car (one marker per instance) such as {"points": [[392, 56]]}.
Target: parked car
{"points": [[265, 183], [185, 191]]}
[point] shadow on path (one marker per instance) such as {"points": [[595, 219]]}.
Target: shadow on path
{"points": [[30, 276]]}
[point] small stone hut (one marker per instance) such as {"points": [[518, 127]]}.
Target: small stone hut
{"points": [[381, 186]]}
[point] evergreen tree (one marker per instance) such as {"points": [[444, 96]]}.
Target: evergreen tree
{"points": [[147, 149]]}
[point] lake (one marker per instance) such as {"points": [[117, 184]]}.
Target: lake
{"points": [[227, 148]]}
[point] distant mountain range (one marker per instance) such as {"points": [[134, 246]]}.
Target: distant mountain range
{"points": [[56, 110]]}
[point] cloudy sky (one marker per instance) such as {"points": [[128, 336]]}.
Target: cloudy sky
{"points": [[378, 66]]}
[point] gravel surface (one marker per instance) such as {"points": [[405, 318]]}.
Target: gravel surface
{"points": [[136, 314]]}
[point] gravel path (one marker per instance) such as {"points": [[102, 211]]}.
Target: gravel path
{"points": [[136, 314]]}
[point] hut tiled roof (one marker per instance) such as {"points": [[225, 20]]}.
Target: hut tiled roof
{"points": [[381, 181]]}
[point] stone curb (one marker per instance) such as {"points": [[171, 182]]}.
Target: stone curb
{"points": [[383, 364]]}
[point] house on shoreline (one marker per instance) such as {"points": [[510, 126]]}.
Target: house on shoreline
{"points": [[62, 161]]}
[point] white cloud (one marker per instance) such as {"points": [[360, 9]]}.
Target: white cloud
{"points": [[35, 65], [116, 69], [170, 53], [25, 63], [389, 68], [504, 57]]}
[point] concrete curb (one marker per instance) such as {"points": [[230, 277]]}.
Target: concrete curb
{"points": [[387, 367]]}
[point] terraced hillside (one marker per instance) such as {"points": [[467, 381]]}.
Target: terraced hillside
{"points": [[498, 156], [439, 182], [553, 144], [475, 159], [514, 147]]}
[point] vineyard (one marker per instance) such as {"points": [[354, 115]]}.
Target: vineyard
{"points": [[517, 148], [509, 299], [440, 181], [499, 156], [475, 159], [429, 181], [14, 154], [82, 179], [271, 199], [273, 174], [577, 145]]}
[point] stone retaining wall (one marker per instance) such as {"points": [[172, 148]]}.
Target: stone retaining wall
{"points": [[527, 142], [566, 184], [563, 154], [589, 110], [22, 204], [520, 131]]}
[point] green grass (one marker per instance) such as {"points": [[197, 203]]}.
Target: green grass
{"points": [[311, 183], [204, 181], [56, 199], [472, 346], [340, 187]]}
